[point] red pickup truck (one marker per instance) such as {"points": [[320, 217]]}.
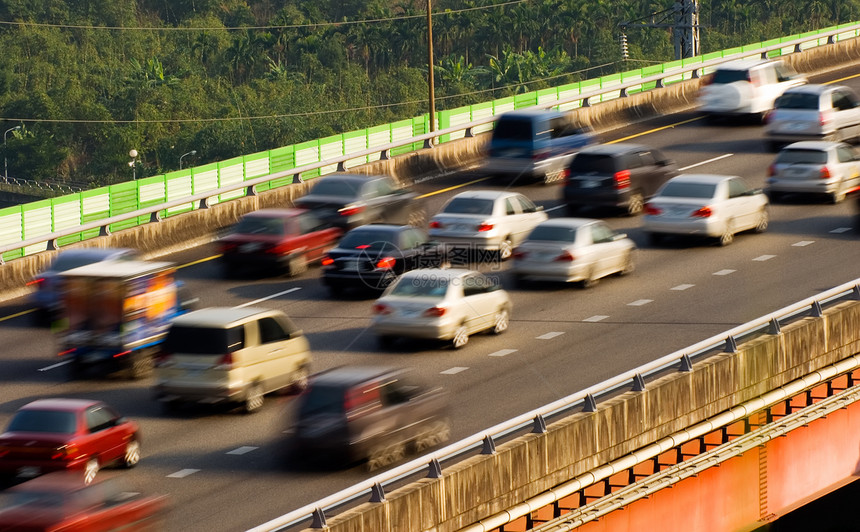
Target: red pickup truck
{"points": [[281, 240]]}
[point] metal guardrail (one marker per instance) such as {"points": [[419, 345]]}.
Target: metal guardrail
{"points": [[428, 139], [681, 360]]}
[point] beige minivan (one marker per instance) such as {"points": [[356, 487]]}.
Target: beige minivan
{"points": [[231, 355]]}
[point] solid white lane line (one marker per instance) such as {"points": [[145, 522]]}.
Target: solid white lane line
{"points": [[549, 335], [841, 230], [57, 365], [453, 371], [182, 473], [803, 243], [682, 287], [595, 318], [273, 296], [706, 162], [762, 258], [724, 272], [502, 352], [242, 450], [640, 302]]}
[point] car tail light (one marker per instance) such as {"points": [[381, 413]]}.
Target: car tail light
{"points": [[824, 118], [327, 261], [122, 354], [3, 451], [771, 170], [436, 225], [565, 175], [351, 210], [226, 362], [386, 263], [381, 309], [67, 352], [484, 227], [435, 312], [519, 254], [65, 452], [36, 282], [704, 212], [652, 209], [824, 173], [565, 257], [622, 179], [228, 247]]}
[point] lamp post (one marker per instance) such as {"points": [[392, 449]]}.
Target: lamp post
{"points": [[5, 162], [133, 163], [192, 152]]}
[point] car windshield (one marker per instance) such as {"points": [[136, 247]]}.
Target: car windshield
{"points": [[681, 189], [69, 262], [337, 187], [469, 206], [797, 101], [369, 239], [553, 233], [587, 162], [802, 157], [513, 129], [729, 76], [260, 226], [425, 285], [43, 421], [189, 340]]}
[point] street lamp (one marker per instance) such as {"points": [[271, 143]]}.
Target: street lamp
{"points": [[133, 163], [5, 162], [192, 152]]}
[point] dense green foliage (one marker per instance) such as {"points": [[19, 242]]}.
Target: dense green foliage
{"points": [[91, 79]]}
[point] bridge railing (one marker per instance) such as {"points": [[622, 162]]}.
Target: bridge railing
{"points": [[585, 400], [51, 223]]}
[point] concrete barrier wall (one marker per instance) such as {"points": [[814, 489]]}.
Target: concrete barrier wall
{"points": [[529, 465], [194, 228]]}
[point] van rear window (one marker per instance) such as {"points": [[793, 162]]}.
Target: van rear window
{"points": [[514, 129], [797, 101], [730, 76], [587, 163], [189, 340]]}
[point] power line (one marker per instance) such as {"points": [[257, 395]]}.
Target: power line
{"points": [[257, 28]]}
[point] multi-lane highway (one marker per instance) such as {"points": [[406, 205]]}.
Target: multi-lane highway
{"points": [[222, 470]]}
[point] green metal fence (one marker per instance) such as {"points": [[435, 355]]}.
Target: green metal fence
{"points": [[43, 217]]}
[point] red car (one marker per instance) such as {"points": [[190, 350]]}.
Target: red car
{"points": [[67, 434], [61, 502], [284, 240]]}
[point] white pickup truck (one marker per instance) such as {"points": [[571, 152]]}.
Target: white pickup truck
{"points": [[746, 88]]}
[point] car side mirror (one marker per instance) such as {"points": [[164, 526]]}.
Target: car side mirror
{"points": [[539, 208], [298, 333], [665, 162], [619, 236]]}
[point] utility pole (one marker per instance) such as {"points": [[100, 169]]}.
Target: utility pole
{"points": [[682, 18], [431, 96]]}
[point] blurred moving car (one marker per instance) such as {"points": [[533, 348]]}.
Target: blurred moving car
{"points": [[115, 314], [231, 355], [620, 176], [62, 502], [573, 249], [535, 144], [742, 88], [485, 220], [46, 296], [813, 112], [830, 169], [707, 205], [281, 240], [67, 434], [440, 304], [350, 200], [356, 413], [370, 257]]}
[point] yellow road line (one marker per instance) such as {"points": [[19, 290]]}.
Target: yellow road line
{"points": [[670, 126], [841, 79], [23, 312], [198, 261], [453, 188]]}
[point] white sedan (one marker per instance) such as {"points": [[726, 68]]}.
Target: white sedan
{"points": [[715, 206], [573, 249], [485, 220], [442, 304], [830, 169]]}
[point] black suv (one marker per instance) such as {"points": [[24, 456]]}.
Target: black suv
{"points": [[621, 176], [356, 413], [370, 257], [350, 200]]}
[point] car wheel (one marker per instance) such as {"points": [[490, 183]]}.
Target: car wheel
{"points": [[520, 281], [297, 265], [253, 398], [635, 204], [506, 248], [417, 218], [655, 239], [590, 280], [628, 265], [728, 235], [384, 455], [500, 322], [141, 364], [461, 336], [436, 432], [91, 469], [132, 453], [774, 197], [763, 221], [301, 378]]}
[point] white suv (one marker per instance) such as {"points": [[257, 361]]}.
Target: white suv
{"points": [[746, 88]]}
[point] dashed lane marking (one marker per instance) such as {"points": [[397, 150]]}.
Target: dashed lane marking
{"points": [[57, 365], [251, 303], [242, 450], [453, 371], [762, 258], [724, 272], [640, 302], [549, 335], [841, 230], [803, 243], [682, 287], [598, 317], [502, 353], [182, 473]]}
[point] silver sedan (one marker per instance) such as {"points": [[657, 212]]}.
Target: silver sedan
{"points": [[442, 304], [831, 169], [573, 249]]}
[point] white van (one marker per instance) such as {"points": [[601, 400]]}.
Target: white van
{"points": [[746, 88]]}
